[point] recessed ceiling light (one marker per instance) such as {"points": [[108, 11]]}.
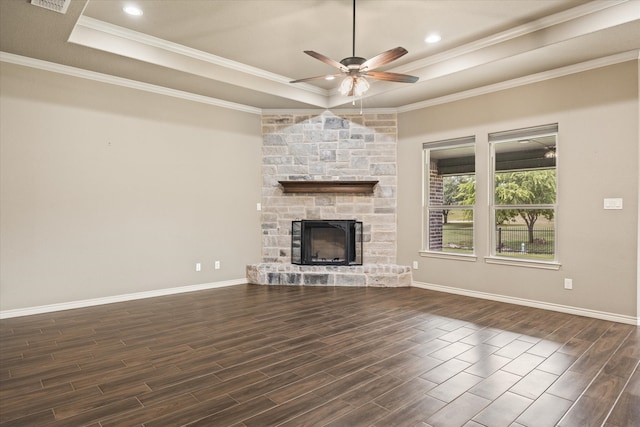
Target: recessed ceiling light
{"points": [[132, 10], [433, 38], [330, 77]]}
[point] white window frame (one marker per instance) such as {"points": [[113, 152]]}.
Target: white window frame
{"points": [[515, 135], [469, 141]]}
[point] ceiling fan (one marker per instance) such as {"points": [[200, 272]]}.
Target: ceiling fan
{"points": [[355, 68]]}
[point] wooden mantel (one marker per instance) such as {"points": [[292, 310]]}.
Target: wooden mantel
{"points": [[328, 186]]}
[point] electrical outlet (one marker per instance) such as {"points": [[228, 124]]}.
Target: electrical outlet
{"points": [[258, 206], [415, 265], [198, 266], [568, 283], [216, 265]]}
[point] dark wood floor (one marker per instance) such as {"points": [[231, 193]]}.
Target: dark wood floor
{"points": [[293, 356]]}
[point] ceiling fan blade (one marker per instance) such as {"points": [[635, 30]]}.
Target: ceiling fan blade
{"points": [[325, 77], [391, 77], [327, 60], [383, 58]]}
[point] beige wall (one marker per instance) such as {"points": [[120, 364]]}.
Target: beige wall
{"points": [[598, 116], [107, 190]]}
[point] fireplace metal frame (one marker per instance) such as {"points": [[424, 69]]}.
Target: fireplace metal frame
{"points": [[302, 251]]}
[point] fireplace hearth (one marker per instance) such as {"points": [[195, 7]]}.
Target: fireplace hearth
{"points": [[326, 242]]}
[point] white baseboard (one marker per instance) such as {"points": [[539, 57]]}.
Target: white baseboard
{"points": [[6, 314], [532, 303]]}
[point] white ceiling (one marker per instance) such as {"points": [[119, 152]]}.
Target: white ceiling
{"points": [[243, 53]]}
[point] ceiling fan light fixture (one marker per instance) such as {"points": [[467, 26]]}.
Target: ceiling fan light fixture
{"points": [[346, 85], [354, 85], [361, 86]]}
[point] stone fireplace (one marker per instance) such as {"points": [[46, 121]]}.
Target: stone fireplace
{"points": [[329, 151]]}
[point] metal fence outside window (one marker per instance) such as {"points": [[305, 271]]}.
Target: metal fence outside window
{"points": [[516, 239], [509, 240]]}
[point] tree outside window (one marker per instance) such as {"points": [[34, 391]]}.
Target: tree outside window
{"points": [[524, 193]]}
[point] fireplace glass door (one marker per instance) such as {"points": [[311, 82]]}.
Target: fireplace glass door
{"points": [[330, 242]]}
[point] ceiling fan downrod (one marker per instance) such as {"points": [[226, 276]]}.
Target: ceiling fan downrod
{"points": [[353, 33]]}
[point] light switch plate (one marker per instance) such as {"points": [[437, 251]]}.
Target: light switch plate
{"points": [[613, 203]]}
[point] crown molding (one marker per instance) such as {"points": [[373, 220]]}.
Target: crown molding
{"points": [[633, 55], [145, 39], [336, 111], [119, 81], [513, 33], [521, 81]]}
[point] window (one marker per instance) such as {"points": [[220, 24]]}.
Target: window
{"points": [[449, 195], [524, 193]]}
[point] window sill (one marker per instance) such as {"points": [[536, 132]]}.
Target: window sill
{"points": [[544, 265], [449, 255]]}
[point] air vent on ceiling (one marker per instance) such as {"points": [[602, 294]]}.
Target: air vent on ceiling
{"points": [[59, 6]]}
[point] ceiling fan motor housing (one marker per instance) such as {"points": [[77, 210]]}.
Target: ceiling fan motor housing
{"points": [[353, 62]]}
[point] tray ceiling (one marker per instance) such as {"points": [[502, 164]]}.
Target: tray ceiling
{"points": [[243, 53]]}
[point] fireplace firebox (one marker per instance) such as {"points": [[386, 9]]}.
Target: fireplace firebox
{"points": [[328, 242]]}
